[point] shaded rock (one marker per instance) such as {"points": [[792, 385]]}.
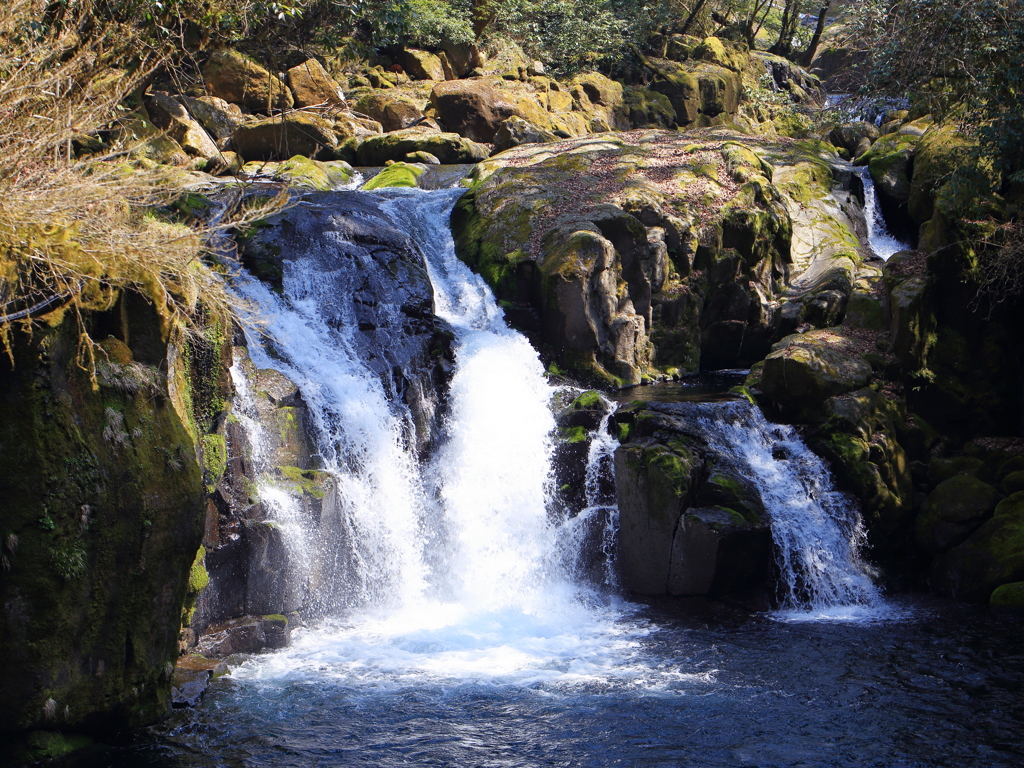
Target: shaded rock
{"points": [[941, 469], [283, 136], [648, 109], [1008, 598], [953, 510], [424, 158], [804, 370], [471, 108], [393, 112], [238, 79], [850, 135], [312, 86], [515, 131], [449, 148], [249, 634], [1013, 482], [992, 556]]}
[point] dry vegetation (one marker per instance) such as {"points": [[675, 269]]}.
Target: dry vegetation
{"points": [[75, 232]]}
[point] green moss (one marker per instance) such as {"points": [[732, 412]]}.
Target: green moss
{"points": [[215, 460], [573, 434], [625, 429], [276, 618], [310, 481], [198, 577], [589, 401], [1008, 596], [397, 175]]}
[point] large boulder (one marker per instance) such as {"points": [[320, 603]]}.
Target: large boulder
{"points": [[953, 510], [689, 524], [992, 556], [449, 148], [236, 78], [218, 117], [421, 65], [283, 136], [471, 108], [805, 370], [312, 86], [515, 131], [393, 112], [300, 171]]}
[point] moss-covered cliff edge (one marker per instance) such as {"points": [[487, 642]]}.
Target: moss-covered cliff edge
{"points": [[101, 477]]}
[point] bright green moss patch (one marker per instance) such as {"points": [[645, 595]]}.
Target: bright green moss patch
{"points": [[397, 175]]}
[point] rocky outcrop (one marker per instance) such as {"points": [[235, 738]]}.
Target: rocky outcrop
{"points": [[312, 86], [650, 251], [689, 522], [102, 481]]}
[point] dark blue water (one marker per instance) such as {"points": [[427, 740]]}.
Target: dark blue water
{"points": [[941, 686]]}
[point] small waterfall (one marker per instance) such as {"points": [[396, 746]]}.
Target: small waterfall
{"points": [[882, 243], [816, 531], [588, 538]]}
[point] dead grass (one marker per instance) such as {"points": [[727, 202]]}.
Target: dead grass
{"points": [[76, 233]]}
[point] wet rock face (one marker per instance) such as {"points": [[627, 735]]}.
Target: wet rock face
{"points": [[101, 517], [369, 277], [689, 523]]}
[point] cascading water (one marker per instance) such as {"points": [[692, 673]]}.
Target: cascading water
{"points": [[457, 561], [817, 533], [882, 243]]}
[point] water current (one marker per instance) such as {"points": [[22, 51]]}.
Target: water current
{"points": [[881, 242], [469, 640]]}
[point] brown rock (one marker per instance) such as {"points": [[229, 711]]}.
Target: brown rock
{"points": [[421, 65], [392, 112], [236, 78], [169, 115], [312, 86], [471, 108], [281, 137], [218, 117]]}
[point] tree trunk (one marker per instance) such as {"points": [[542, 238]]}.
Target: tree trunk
{"points": [[812, 49], [790, 19], [693, 15]]}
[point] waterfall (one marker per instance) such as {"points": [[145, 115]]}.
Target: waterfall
{"points": [[817, 532], [452, 564], [882, 243]]}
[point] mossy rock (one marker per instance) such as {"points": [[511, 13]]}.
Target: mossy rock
{"points": [[285, 136], [397, 175], [952, 511], [449, 148], [724, 53], [805, 370], [939, 152], [942, 468], [236, 78], [1008, 597], [992, 556]]}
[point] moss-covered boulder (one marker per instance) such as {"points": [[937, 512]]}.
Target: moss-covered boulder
{"points": [[284, 136], [863, 435], [169, 115], [700, 92], [515, 131], [1008, 597], [312, 86], [236, 78], [648, 109], [939, 151], [396, 175], [992, 556], [300, 171], [394, 112], [218, 117], [102, 515], [688, 524], [421, 65], [953, 510], [449, 148], [805, 370]]}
